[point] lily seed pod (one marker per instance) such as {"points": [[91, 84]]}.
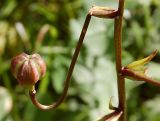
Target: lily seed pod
{"points": [[28, 69]]}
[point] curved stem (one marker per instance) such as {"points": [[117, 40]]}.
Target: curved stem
{"points": [[126, 72], [70, 71], [40, 36], [93, 12]]}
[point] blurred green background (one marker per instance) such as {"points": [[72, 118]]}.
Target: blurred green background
{"points": [[94, 77]]}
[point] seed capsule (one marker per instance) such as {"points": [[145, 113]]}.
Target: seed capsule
{"points": [[28, 69]]}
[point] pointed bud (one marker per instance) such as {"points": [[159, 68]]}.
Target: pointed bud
{"points": [[143, 61], [28, 69], [139, 66], [111, 107]]}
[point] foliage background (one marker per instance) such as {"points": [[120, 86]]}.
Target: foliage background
{"points": [[94, 77]]}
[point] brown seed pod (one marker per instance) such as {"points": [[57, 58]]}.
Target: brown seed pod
{"points": [[28, 69]]}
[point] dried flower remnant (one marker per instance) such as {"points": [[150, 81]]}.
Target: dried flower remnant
{"points": [[28, 69], [114, 116], [103, 12]]}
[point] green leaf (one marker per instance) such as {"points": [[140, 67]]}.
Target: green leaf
{"points": [[58, 78]]}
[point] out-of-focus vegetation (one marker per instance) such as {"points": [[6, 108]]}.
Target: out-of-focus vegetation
{"points": [[94, 77]]}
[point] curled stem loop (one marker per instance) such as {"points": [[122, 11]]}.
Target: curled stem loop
{"points": [[32, 93], [103, 12]]}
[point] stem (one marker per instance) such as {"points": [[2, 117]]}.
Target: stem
{"points": [[109, 117], [105, 13], [118, 47], [70, 71], [129, 73]]}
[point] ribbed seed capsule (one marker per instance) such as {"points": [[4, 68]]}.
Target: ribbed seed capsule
{"points": [[28, 69]]}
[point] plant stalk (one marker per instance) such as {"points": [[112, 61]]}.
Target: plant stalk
{"points": [[129, 73], [118, 47], [32, 92]]}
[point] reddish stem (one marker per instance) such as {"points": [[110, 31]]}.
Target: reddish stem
{"points": [[118, 47], [129, 73], [70, 71]]}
